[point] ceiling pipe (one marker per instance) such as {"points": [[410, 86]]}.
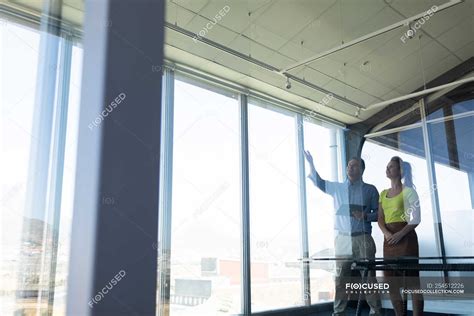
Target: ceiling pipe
{"points": [[437, 95], [430, 98], [366, 37], [419, 93]]}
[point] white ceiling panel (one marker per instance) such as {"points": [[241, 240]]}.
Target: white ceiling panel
{"points": [[441, 21], [315, 7], [433, 65], [263, 36], [360, 97], [415, 81], [351, 76], [455, 38], [430, 73], [250, 48], [321, 34], [237, 18], [362, 17], [296, 50], [313, 76], [201, 26], [325, 105], [441, 66], [431, 54], [279, 60], [392, 94], [466, 52], [177, 15], [411, 7], [193, 5], [393, 51], [328, 66], [348, 92], [398, 73], [186, 43], [291, 16], [232, 62], [375, 87], [357, 54]]}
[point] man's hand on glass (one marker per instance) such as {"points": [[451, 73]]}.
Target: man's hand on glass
{"points": [[308, 157]]}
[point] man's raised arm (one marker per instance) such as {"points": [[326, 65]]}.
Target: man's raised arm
{"points": [[314, 175]]}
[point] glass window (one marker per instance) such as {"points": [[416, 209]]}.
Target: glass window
{"points": [[454, 169], [19, 67], [34, 241], [205, 237], [274, 209], [408, 145], [377, 154], [68, 184], [443, 109], [320, 141]]}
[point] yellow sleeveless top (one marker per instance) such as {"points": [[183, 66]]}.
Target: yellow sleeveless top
{"points": [[394, 207]]}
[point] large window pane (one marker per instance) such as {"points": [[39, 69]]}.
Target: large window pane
{"points": [[68, 185], [205, 237], [407, 145], [274, 210], [35, 240], [453, 152], [321, 142], [19, 65]]}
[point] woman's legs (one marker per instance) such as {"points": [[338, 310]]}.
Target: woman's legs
{"points": [[418, 304], [394, 283], [395, 296]]}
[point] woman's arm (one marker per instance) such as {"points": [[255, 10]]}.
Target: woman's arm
{"points": [[395, 238], [381, 222]]}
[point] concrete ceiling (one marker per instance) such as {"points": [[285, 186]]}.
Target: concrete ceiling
{"points": [[282, 32]]}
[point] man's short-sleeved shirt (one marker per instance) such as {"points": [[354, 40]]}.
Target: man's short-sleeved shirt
{"points": [[358, 193]]}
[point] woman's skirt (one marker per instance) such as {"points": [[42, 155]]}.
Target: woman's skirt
{"points": [[406, 247]]}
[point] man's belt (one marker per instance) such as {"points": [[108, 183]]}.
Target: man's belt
{"points": [[353, 234]]}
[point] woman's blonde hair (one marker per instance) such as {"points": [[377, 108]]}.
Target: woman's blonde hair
{"points": [[405, 171]]}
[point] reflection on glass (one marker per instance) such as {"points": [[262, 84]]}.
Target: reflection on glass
{"points": [[205, 236], [408, 146], [68, 185], [453, 153], [417, 192], [34, 241], [19, 65], [320, 212], [274, 210], [353, 212]]}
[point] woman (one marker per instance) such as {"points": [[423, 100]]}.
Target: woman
{"points": [[399, 214]]}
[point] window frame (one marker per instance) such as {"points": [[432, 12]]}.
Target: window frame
{"points": [[245, 96]]}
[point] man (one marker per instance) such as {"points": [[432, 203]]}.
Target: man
{"points": [[356, 205]]}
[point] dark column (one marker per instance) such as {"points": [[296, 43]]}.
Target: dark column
{"points": [[115, 226]]}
